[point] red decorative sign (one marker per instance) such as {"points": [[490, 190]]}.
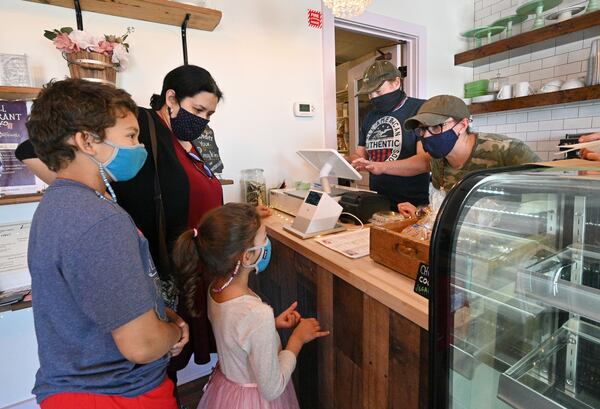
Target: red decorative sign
{"points": [[315, 18]]}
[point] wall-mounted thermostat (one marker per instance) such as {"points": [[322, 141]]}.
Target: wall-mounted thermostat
{"points": [[303, 109]]}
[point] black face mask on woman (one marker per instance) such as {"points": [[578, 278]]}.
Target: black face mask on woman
{"points": [[187, 126], [386, 102]]}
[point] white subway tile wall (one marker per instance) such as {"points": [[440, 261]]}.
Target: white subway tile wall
{"points": [[563, 58]]}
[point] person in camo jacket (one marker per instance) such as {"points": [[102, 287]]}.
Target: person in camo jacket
{"points": [[442, 127]]}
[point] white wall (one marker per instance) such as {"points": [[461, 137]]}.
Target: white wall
{"points": [[443, 20]]}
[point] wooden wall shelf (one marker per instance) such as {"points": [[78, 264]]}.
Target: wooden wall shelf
{"points": [[538, 100], [18, 93], [158, 11], [530, 37], [21, 305], [18, 199]]}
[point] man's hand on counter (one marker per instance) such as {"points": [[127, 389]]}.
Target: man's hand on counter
{"points": [[407, 210]]}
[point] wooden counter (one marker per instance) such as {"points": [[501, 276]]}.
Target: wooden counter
{"points": [[377, 353], [389, 287]]}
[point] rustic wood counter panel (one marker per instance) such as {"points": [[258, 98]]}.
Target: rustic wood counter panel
{"points": [[389, 287], [377, 355]]}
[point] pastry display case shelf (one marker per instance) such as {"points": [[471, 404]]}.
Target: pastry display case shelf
{"points": [[157, 11], [537, 100], [530, 37]]}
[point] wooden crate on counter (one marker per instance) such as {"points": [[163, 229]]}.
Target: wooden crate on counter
{"points": [[402, 254]]}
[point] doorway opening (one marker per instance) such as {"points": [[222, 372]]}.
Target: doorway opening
{"points": [[349, 47], [354, 53]]}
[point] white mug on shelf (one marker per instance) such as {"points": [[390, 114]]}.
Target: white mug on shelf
{"points": [[505, 92], [522, 89]]}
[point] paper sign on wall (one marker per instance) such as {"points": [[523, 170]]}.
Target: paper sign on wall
{"points": [[15, 178]]}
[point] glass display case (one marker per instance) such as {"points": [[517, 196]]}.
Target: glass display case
{"points": [[515, 304]]}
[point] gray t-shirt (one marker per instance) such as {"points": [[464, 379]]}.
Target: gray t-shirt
{"points": [[91, 272]]}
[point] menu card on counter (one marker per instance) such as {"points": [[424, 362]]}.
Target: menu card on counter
{"points": [[353, 244]]}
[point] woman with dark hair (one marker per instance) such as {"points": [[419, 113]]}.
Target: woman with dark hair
{"points": [[104, 334], [173, 189]]}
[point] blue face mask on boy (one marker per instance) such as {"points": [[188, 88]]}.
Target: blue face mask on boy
{"points": [[125, 162], [264, 257]]}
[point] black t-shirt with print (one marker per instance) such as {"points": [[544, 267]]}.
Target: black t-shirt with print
{"points": [[385, 139]]}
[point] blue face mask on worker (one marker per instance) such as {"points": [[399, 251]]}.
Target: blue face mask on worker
{"points": [[125, 162], [440, 145], [264, 257], [187, 126]]}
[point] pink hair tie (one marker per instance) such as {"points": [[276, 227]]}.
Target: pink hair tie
{"points": [[195, 232]]}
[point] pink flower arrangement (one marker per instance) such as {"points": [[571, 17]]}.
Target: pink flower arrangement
{"points": [[67, 40]]}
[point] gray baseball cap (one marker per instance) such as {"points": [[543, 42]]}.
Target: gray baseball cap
{"points": [[376, 75], [436, 110]]}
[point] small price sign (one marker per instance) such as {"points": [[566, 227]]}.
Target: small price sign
{"points": [[422, 281]]}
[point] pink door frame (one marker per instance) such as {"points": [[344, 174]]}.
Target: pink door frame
{"points": [[382, 26]]}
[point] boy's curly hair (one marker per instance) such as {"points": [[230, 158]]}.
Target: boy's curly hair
{"points": [[66, 107]]}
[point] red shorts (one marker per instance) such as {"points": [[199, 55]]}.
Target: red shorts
{"points": [[160, 397]]}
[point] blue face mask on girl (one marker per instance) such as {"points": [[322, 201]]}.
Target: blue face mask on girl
{"points": [[264, 257]]}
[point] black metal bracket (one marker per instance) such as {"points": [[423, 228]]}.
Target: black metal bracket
{"points": [[78, 15], [184, 38], [383, 56], [403, 70]]}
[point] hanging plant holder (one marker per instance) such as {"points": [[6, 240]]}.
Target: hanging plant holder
{"points": [[91, 66]]}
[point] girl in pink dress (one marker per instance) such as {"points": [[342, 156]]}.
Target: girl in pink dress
{"points": [[254, 371]]}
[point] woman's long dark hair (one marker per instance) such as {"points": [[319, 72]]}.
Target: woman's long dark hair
{"points": [[186, 81], [223, 235]]}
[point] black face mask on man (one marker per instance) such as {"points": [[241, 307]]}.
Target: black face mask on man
{"points": [[387, 102], [187, 126]]}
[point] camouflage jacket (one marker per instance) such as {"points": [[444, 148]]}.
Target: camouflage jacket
{"points": [[489, 151]]}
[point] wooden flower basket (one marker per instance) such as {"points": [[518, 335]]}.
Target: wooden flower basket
{"points": [[92, 66]]}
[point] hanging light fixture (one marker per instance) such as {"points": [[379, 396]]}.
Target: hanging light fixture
{"points": [[347, 8]]}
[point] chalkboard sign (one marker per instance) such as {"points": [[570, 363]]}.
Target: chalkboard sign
{"points": [[207, 146], [422, 281]]}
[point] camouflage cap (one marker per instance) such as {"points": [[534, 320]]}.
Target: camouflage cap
{"points": [[376, 74], [436, 110]]}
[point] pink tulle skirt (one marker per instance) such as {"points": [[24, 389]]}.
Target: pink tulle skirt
{"points": [[221, 393]]}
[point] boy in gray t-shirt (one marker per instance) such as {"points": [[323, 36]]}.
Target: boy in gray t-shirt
{"points": [[101, 325]]}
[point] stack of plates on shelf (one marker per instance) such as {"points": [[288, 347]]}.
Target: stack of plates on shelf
{"points": [[484, 98], [476, 88]]}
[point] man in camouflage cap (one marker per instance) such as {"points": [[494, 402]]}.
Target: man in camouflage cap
{"points": [[442, 127], [383, 139]]}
